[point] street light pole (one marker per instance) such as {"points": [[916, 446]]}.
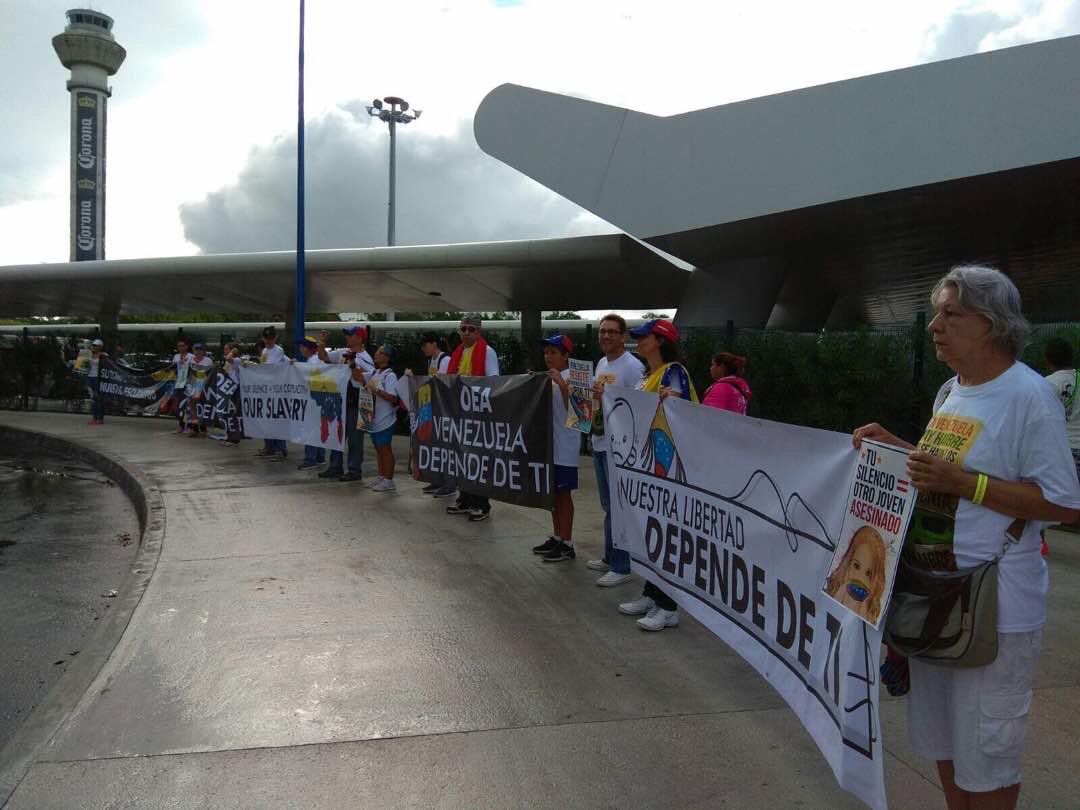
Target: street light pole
{"points": [[393, 111], [393, 184]]}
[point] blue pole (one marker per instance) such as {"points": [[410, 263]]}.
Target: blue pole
{"points": [[301, 268]]}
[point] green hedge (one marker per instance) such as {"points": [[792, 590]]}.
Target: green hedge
{"points": [[832, 380]]}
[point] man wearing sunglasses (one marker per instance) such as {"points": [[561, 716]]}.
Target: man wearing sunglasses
{"points": [[473, 357]]}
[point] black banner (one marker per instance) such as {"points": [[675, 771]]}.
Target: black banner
{"points": [[88, 176], [486, 435], [127, 389], [220, 404]]}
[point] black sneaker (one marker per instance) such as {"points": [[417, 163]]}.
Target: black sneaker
{"points": [[546, 546], [429, 489], [562, 551], [351, 477], [330, 474], [476, 515], [444, 492], [458, 509]]}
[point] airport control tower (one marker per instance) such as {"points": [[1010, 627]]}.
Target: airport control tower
{"points": [[87, 48]]}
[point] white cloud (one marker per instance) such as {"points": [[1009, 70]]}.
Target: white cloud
{"points": [[209, 89]]}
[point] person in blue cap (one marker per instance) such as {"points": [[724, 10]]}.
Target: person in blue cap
{"points": [[314, 455], [347, 466], [565, 449]]}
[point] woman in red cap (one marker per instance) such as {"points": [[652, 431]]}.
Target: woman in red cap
{"points": [[658, 346]]}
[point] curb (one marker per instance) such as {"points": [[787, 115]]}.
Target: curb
{"points": [[39, 727]]}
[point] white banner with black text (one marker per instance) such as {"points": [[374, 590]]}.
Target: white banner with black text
{"points": [[737, 520], [302, 402]]}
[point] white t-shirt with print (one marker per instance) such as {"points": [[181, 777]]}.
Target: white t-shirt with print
{"points": [[181, 363], [385, 411], [628, 372], [565, 442], [1011, 428], [198, 374], [1065, 386], [440, 363], [362, 358], [273, 354]]}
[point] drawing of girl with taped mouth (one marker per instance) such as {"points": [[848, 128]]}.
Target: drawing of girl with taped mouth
{"points": [[858, 581]]}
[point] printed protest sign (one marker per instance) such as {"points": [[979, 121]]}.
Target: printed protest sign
{"points": [[878, 511], [582, 404], [365, 414], [301, 402], [486, 435], [737, 520]]}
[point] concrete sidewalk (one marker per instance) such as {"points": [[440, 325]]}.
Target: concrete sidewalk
{"points": [[312, 644]]}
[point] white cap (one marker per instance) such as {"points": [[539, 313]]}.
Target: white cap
{"points": [[97, 342]]}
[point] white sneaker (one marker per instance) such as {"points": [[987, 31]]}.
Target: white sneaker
{"points": [[637, 607], [658, 618], [611, 579], [378, 480], [384, 485], [596, 565]]}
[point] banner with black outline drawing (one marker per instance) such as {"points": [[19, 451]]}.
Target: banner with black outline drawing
{"points": [[301, 402], [489, 436], [737, 520]]}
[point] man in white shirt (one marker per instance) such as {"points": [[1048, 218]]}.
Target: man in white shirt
{"points": [[181, 362], [273, 449], [473, 357], [616, 367], [356, 356]]}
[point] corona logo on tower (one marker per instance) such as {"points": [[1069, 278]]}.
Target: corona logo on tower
{"points": [[86, 185], [86, 100]]}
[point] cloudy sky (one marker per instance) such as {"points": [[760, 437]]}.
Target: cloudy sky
{"points": [[202, 121]]}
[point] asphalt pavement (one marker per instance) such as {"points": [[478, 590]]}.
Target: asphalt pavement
{"points": [[312, 644]]}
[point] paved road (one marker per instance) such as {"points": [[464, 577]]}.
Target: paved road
{"points": [[67, 537], [309, 644]]}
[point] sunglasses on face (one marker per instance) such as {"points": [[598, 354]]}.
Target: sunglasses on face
{"points": [[465, 330]]}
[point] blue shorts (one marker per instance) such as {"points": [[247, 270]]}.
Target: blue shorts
{"points": [[381, 438], [565, 478]]}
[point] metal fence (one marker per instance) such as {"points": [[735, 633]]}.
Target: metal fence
{"points": [[830, 380]]}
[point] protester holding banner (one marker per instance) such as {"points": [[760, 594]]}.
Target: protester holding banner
{"points": [[273, 449], [566, 446], [658, 344], [181, 361], [198, 373], [991, 469], [729, 391], [93, 380], [354, 355], [314, 455], [230, 364], [616, 367], [438, 357], [382, 385], [473, 357]]}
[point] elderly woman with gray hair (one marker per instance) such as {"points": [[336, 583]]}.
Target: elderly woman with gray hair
{"points": [[993, 460]]}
